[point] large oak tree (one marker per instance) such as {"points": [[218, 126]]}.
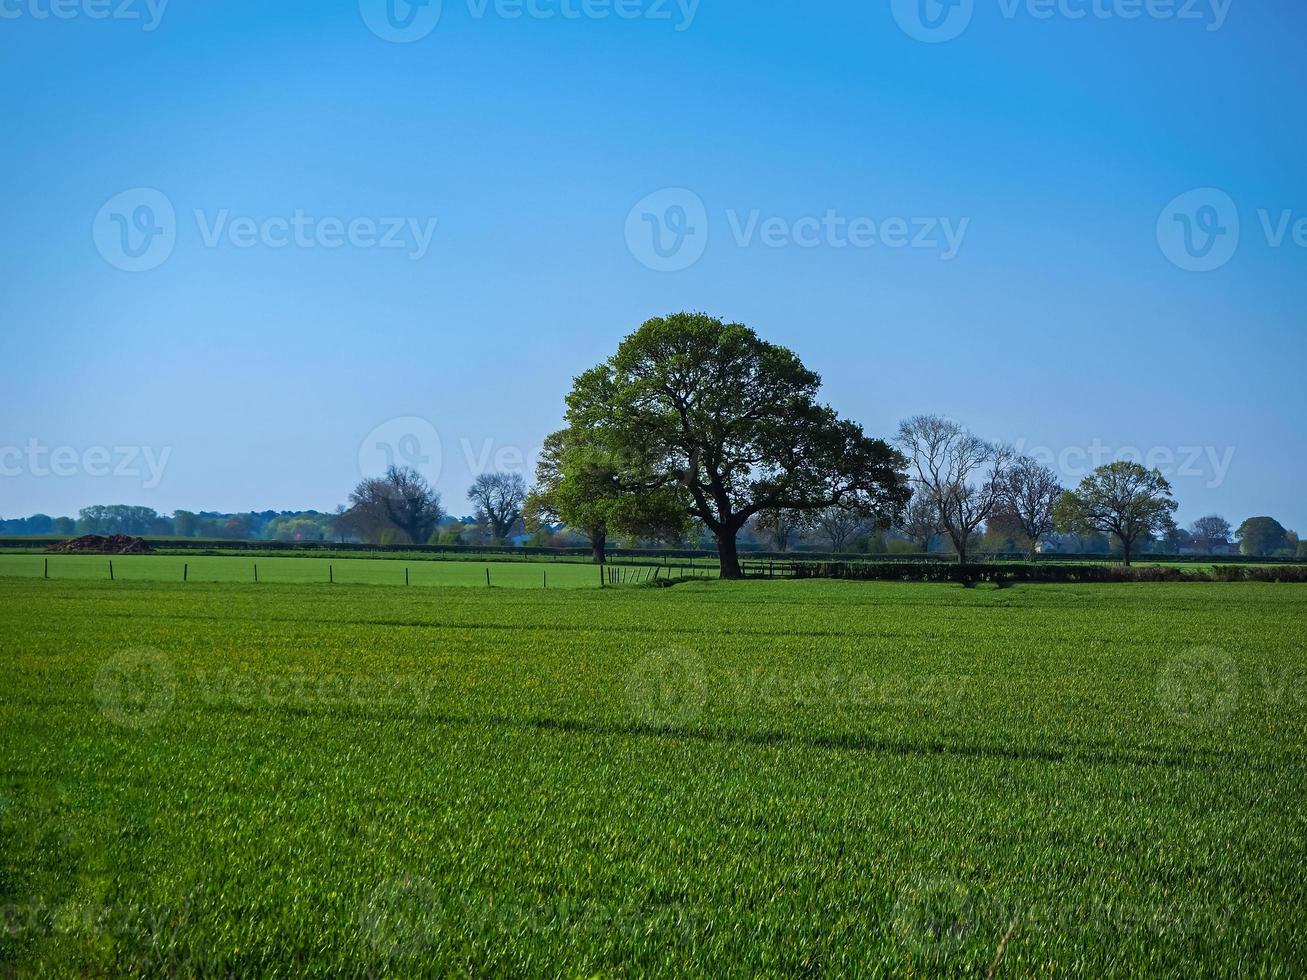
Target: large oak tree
{"points": [[732, 426]]}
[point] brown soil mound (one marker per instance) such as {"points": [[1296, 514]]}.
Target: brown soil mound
{"points": [[95, 544]]}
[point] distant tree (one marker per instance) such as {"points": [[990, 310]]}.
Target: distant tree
{"points": [[299, 527], [1004, 531], [837, 527], [1211, 532], [400, 506], [1261, 537], [1030, 491], [962, 475], [1122, 499], [1302, 549], [498, 498], [117, 519], [577, 485], [920, 521], [731, 424], [64, 525], [1175, 539], [782, 526], [184, 524]]}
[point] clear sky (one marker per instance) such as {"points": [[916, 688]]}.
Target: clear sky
{"points": [[989, 227]]}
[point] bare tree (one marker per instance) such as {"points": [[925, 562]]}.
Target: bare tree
{"points": [[839, 526], [498, 498], [961, 473], [921, 519], [1211, 532], [781, 526], [401, 501], [1030, 491]]}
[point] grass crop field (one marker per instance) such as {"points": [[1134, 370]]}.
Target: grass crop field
{"points": [[343, 571], [737, 779]]}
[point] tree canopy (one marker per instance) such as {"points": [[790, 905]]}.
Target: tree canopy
{"points": [[962, 475], [577, 484], [1261, 537], [498, 498], [730, 425], [1120, 498], [400, 503]]}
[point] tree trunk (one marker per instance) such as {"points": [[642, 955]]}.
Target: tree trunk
{"points": [[729, 555], [1125, 552], [598, 544]]}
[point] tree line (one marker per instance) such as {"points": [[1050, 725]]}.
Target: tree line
{"points": [[698, 431], [699, 427]]}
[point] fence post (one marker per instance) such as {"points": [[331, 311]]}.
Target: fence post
{"points": [[47, 568], [110, 569], [186, 571], [331, 575], [487, 576], [256, 571], [546, 574], [406, 575]]}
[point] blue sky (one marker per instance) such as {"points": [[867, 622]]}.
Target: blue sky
{"points": [[259, 370]]}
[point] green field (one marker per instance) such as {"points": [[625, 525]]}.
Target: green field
{"points": [[788, 778], [343, 571]]}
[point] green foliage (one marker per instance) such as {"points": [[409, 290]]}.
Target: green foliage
{"points": [[577, 484], [185, 524], [730, 426], [717, 779], [1122, 499], [121, 519], [1261, 537]]}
